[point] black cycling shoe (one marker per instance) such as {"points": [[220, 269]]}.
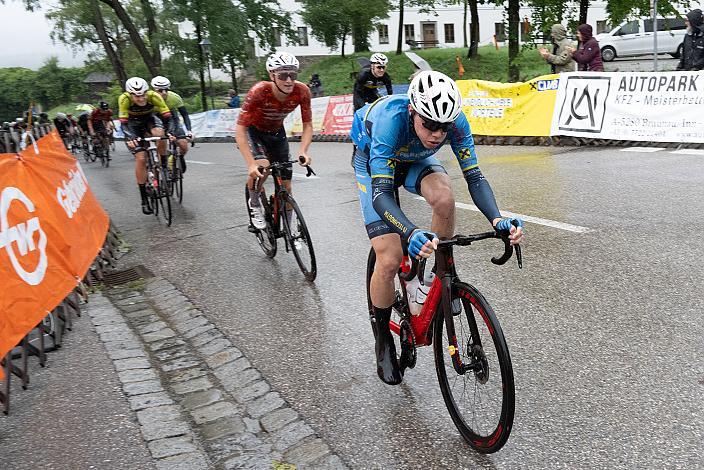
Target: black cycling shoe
{"points": [[183, 163], [146, 208], [387, 367]]}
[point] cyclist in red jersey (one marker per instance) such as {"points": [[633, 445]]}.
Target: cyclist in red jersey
{"points": [[260, 133], [100, 123]]}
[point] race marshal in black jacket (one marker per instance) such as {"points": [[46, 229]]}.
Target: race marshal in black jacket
{"points": [[692, 57], [370, 80]]}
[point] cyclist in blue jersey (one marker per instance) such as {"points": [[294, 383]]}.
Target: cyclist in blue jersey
{"points": [[396, 138]]}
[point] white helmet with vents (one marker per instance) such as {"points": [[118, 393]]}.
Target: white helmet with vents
{"points": [[136, 86], [159, 83], [281, 61], [379, 58], [435, 96]]}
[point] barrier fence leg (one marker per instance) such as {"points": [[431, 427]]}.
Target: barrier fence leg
{"points": [[5, 393]]}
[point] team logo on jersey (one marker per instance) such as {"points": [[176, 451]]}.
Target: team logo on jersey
{"points": [[465, 154]]}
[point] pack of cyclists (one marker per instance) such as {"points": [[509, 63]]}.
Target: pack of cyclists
{"points": [[395, 139]]}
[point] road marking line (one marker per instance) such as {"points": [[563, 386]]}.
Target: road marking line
{"points": [[200, 163], [298, 175], [688, 152], [643, 149], [527, 218]]}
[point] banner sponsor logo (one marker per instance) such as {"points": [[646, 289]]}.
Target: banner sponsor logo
{"points": [[545, 85], [21, 235], [641, 106], [515, 109], [70, 194], [584, 105]]}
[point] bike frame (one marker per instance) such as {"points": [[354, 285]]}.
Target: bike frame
{"points": [[438, 300]]}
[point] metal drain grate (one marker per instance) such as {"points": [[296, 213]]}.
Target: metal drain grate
{"points": [[134, 273]]}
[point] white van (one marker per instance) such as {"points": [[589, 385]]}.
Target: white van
{"points": [[635, 37]]}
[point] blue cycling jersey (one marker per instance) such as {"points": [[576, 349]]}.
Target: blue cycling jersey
{"points": [[383, 130], [384, 135]]}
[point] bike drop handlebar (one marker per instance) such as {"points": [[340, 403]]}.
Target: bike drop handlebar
{"points": [[418, 266], [283, 165]]}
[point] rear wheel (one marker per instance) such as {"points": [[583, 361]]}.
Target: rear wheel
{"points": [[265, 236], [678, 54], [177, 179], [608, 53], [299, 240], [480, 399]]}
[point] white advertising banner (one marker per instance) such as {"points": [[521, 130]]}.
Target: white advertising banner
{"points": [[643, 106]]}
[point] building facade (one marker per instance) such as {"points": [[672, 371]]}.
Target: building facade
{"points": [[444, 28]]}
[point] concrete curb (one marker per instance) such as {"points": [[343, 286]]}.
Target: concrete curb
{"points": [[197, 398]]}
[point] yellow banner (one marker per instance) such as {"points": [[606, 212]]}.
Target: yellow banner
{"points": [[511, 109]]}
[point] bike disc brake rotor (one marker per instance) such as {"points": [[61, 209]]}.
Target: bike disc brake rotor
{"points": [[408, 345], [480, 364]]}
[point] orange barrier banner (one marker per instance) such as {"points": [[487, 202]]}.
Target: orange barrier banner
{"points": [[51, 229]]}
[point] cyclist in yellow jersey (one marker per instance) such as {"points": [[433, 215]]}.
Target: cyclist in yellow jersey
{"points": [[162, 86], [141, 111]]}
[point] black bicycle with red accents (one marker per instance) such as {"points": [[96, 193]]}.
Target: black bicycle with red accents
{"points": [[284, 219], [472, 360]]}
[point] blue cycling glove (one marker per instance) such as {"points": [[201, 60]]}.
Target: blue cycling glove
{"points": [[416, 241], [505, 224]]}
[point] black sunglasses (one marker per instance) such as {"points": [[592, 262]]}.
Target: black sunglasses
{"points": [[283, 76], [434, 126], [380, 67]]}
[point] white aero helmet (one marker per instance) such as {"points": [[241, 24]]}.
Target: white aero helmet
{"points": [[379, 58], [281, 60], [136, 86], [160, 82], [435, 96]]}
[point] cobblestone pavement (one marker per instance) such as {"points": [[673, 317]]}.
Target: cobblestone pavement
{"points": [[199, 402]]}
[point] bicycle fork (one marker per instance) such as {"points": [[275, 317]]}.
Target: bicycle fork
{"points": [[446, 271]]}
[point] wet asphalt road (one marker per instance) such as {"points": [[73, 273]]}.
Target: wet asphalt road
{"points": [[604, 327]]}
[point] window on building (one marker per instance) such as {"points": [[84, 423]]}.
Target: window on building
{"points": [[302, 35], [277, 37], [409, 31], [500, 32], [449, 33], [383, 34], [603, 26]]}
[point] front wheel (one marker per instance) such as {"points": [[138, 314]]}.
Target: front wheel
{"points": [[265, 237], [163, 197], [299, 239], [480, 398]]}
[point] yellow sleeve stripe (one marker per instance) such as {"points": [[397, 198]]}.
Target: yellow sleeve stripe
{"points": [[470, 167], [382, 176]]}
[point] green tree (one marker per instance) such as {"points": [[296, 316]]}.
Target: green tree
{"points": [[332, 17], [619, 10], [79, 23]]}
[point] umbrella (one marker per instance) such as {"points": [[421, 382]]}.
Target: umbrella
{"points": [[418, 61], [85, 107]]}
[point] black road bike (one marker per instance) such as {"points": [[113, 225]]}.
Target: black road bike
{"points": [[157, 181], [277, 209], [175, 169]]}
